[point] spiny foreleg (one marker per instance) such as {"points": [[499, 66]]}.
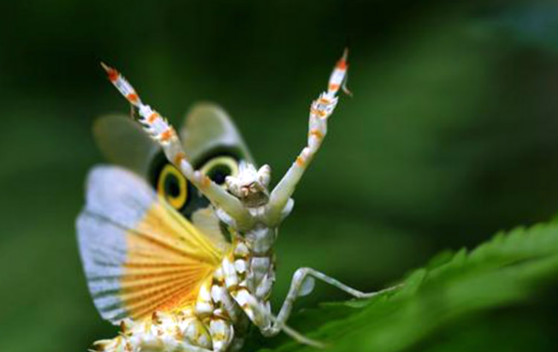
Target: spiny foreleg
{"points": [[320, 110], [158, 128]]}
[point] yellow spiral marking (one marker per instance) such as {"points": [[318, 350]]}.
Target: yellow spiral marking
{"points": [[178, 200]]}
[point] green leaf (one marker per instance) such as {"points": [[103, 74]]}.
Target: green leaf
{"points": [[453, 291]]}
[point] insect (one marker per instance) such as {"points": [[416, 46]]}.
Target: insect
{"points": [[177, 245]]}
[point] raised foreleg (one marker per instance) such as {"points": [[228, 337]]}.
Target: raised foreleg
{"points": [[320, 110], [162, 132]]}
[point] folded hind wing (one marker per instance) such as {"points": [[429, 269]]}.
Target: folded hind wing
{"points": [[138, 253]]}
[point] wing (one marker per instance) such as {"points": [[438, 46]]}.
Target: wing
{"points": [[123, 142], [139, 254], [207, 131], [211, 141]]}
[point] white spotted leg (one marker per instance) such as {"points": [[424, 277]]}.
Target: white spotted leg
{"points": [[148, 343], [162, 132], [302, 284], [320, 110], [158, 345], [268, 324]]}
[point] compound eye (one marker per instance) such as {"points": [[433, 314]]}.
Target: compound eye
{"points": [[217, 169], [172, 186]]}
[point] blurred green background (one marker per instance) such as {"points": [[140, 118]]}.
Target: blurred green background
{"points": [[451, 135]]}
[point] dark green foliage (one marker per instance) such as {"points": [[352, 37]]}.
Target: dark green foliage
{"points": [[450, 293], [450, 136]]}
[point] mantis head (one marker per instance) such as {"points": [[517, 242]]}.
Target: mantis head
{"points": [[250, 185]]}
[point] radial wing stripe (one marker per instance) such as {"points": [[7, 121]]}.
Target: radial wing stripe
{"points": [[138, 253]]}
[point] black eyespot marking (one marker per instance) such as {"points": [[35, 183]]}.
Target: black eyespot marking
{"points": [[219, 173], [217, 169], [172, 188]]}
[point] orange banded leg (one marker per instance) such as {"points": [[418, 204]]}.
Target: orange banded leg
{"points": [[320, 110], [158, 128], [260, 314]]}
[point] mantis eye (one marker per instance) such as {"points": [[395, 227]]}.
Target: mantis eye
{"points": [[217, 169], [172, 186]]}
